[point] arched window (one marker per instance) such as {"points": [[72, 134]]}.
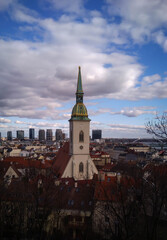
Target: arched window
{"points": [[81, 167], [81, 136]]}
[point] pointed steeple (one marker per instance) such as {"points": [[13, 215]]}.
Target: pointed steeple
{"points": [[79, 83], [79, 92], [79, 111]]}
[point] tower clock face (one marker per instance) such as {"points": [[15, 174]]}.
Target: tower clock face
{"points": [[81, 147]]}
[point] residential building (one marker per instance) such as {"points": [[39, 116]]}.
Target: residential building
{"points": [[100, 158], [41, 135], [139, 148], [49, 135], [31, 133], [9, 135], [96, 134], [20, 134]]}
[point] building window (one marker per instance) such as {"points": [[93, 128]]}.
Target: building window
{"points": [[81, 167], [81, 136]]}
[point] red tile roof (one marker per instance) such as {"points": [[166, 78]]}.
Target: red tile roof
{"points": [[110, 190], [3, 168], [108, 167], [62, 160], [26, 163]]}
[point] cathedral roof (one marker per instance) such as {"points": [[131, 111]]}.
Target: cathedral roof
{"points": [[62, 160]]}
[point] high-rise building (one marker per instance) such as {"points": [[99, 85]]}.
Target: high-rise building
{"points": [[49, 135], [59, 134], [96, 134], [31, 133], [20, 134], [9, 135], [41, 135], [64, 136]]}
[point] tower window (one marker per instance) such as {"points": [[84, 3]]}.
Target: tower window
{"points": [[81, 136], [81, 167]]}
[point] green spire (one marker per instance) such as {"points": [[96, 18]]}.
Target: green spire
{"points": [[79, 84], [79, 92], [79, 111]]}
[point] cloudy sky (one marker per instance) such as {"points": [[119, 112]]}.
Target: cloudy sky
{"points": [[120, 45]]}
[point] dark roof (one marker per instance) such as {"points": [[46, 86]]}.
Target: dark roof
{"points": [[62, 160], [28, 163], [108, 167], [78, 197], [109, 191], [3, 168], [66, 195]]}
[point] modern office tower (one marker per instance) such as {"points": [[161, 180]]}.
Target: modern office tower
{"points": [[49, 135], [96, 134], [59, 134], [41, 135], [31, 133], [9, 135], [20, 134]]}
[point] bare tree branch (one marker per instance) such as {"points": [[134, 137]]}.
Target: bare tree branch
{"points": [[158, 127]]}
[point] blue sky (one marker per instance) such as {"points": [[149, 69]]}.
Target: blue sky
{"points": [[120, 45]]}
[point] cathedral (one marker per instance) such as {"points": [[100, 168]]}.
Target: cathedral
{"points": [[73, 159]]}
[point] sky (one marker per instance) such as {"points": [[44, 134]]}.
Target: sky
{"points": [[120, 45]]}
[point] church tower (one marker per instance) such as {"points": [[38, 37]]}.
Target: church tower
{"points": [[80, 165], [79, 123]]}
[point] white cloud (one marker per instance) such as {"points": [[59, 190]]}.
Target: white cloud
{"points": [[95, 123], [72, 6], [44, 75], [160, 38], [39, 77], [125, 131], [3, 126], [128, 112], [151, 79], [126, 127], [50, 125], [3, 120], [20, 122], [158, 89], [134, 112], [141, 19], [150, 14], [4, 4]]}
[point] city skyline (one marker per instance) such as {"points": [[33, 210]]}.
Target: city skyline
{"points": [[121, 48]]}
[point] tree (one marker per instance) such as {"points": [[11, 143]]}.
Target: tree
{"points": [[158, 127], [153, 200], [118, 206]]}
